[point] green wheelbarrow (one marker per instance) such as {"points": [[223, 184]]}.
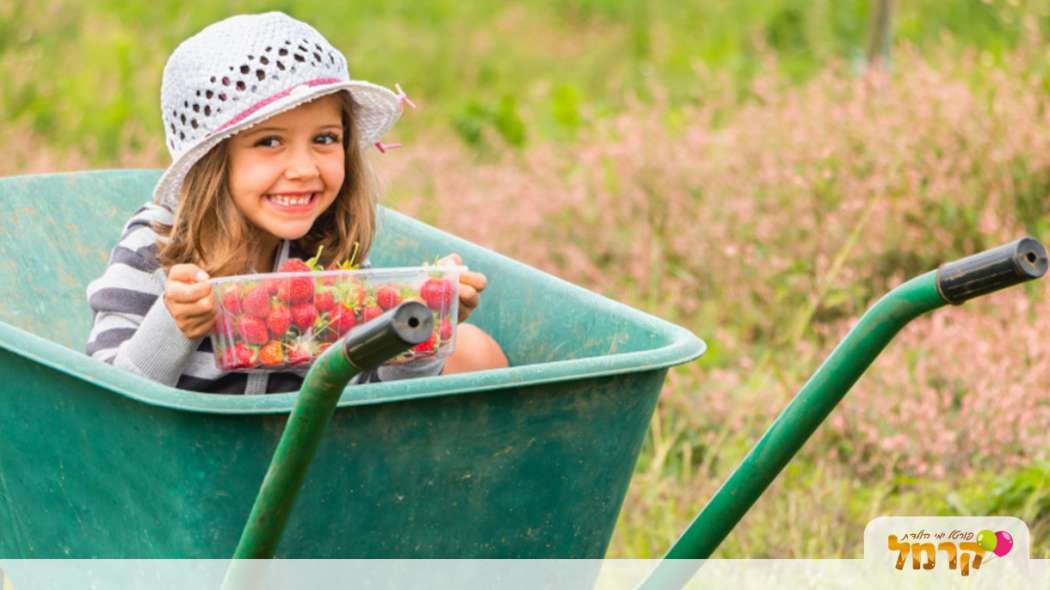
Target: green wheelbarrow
{"points": [[527, 462]]}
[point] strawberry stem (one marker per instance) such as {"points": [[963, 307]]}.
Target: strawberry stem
{"points": [[314, 263]]}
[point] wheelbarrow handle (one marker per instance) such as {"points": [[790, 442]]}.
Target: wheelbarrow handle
{"points": [[991, 270], [365, 347], [954, 282]]}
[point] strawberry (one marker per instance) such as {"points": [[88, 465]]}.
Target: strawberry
{"points": [[371, 312], [257, 302], [446, 330], [253, 330], [387, 297], [343, 319], [438, 293], [225, 323], [237, 357], [279, 320], [296, 290], [272, 354], [231, 302], [299, 354], [294, 265], [426, 346], [324, 301], [245, 354], [304, 315]]}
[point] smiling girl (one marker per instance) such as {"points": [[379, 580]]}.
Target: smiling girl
{"points": [[267, 133]]}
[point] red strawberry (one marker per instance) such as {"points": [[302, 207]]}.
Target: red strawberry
{"points": [[438, 293], [302, 289], [253, 330], [446, 330], [271, 354], [425, 347], [304, 315], [299, 354], [343, 319], [294, 265], [371, 312], [225, 324], [279, 321], [271, 286], [387, 297], [324, 301], [257, 302], [237, 357], [296, 290], [231, 302]]}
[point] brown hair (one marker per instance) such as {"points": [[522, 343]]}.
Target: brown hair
{"points": [[208, 230]]}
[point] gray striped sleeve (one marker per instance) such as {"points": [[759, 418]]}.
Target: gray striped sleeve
{"points": [[133, 328], [421, 368]]}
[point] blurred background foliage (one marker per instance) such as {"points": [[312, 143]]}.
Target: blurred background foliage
{"points": [[87, 75]]}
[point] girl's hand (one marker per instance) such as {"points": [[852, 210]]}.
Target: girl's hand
{"points": [[188, 296], [471, 284]]}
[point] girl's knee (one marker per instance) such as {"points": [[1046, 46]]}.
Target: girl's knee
{"points": [[475, 351]]}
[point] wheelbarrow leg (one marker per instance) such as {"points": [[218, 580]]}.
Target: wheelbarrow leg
{"points": [[954, 283], [364, 348]]}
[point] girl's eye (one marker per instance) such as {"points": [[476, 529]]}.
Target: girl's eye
{"points": [[331, 137], [264, 141]]}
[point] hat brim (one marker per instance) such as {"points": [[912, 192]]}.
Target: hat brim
{"points": [[380, 109]]}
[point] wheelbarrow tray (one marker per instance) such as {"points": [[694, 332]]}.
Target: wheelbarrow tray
{"points": [[527, 462]]}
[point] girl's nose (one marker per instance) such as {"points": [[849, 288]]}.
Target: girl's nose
{"points": [[301, 164]]}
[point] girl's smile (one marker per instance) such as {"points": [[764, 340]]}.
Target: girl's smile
{"points": [[299, 203], [286, 172]]}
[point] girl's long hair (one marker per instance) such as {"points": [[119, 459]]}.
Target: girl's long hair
{"points": [[208, 230]]}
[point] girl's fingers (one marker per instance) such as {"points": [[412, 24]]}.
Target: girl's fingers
{"points": [[451, 259], [187, 273], [468, 296], [197, 329], [202, 309], [187, 283], [474, 279], [187, 293]]}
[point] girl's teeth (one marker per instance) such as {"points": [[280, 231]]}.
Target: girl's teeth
{"points": [[291, 201]]}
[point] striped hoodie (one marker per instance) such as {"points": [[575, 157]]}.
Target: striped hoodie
{"points": [[134, 330]]}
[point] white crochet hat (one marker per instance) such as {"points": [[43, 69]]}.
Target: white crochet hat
{"points": [[242, 70]]}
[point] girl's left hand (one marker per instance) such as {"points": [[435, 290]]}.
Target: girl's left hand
{"points": [[471, 284]]}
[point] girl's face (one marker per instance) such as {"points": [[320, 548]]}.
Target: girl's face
{"points": [[285, 172]]}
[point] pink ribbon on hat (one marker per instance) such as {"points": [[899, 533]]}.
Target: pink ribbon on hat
{"points": [[402, 100], [302, 87]]}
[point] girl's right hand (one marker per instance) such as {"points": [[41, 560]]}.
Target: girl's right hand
{"points": [[188, 296]]}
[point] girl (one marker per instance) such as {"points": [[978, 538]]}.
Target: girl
{"points": [[267, 133]]}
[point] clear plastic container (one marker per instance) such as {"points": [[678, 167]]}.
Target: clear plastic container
{"points": [[275, 321]]}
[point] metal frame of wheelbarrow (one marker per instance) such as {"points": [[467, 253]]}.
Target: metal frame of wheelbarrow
{"points": [[953, 283]]}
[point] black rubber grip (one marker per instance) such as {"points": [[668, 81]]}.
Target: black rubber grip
{"points": [[991, 270], [395, 331]]}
